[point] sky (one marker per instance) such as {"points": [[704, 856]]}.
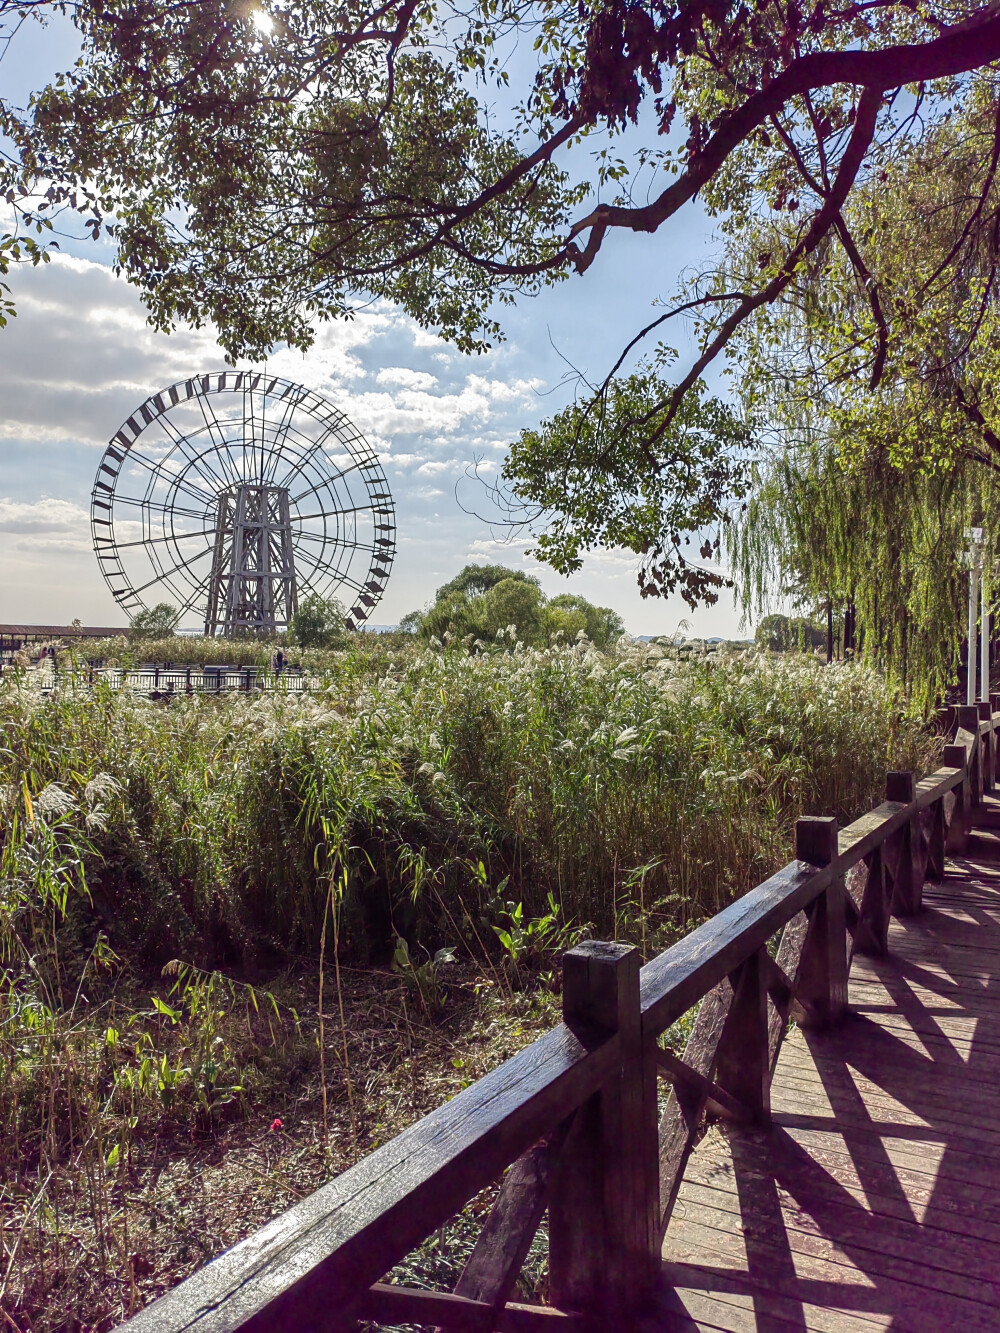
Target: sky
{"points": [[79, 358]]}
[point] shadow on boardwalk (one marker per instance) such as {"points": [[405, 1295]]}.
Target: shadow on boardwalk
{"points": [[874, 1203]]}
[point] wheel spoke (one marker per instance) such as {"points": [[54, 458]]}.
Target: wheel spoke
{"points": [[164, 575], [157, 541], [158, 472], [162, 508]]}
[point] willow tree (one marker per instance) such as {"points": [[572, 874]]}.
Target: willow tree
{"points": [[879, 539], [877, 373]]}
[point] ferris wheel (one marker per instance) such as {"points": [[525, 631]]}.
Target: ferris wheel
{"points": [[232, 497]]}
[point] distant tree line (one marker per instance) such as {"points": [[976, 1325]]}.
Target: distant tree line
{"points": [[482, 602]]}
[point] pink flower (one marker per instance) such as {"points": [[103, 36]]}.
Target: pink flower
{"points": [[275, 1123]]}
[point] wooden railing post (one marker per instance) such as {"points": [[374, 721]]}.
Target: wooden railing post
{"points": [[823, 970], [956, 756], [968, 720], [988, 746], [604, 1205], [906, 853]]}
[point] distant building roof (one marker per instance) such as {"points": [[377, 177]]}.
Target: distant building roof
{"points": [[61, 631]]}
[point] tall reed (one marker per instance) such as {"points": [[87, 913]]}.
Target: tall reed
{"points": [[422, 785]]}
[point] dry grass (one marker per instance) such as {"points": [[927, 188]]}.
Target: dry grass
{"points": [[187, 1189]]}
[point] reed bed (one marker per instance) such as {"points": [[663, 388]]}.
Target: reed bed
{"points": [[203, 903]]}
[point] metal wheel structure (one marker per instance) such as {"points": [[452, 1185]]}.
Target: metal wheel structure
{"points": [[233, 496]]}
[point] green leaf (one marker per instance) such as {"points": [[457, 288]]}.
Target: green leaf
{"points": [[165, 1009]]}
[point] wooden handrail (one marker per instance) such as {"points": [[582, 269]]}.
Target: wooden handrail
{"points": [[577, 1110]]}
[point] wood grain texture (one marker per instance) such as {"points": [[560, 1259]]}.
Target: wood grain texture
{"points": [[676, 980], [681, 1117], [604, 1199], [875, 1200], [742, 1064], [503, 1244]]}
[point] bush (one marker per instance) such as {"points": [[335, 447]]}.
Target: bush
{"points": [[486, 602], [156, 622], [318, 623]]}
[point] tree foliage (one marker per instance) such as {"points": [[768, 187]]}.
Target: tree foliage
{"points": [[155, 622], [883, 539], [486, 603], [318, 623], [881, 396], [267, 168], [264, 168], [594, 479]]}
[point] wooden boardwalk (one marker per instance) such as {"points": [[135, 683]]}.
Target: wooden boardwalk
{"points": [[874, 1202]]}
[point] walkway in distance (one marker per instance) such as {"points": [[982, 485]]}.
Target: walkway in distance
{"points": [[874, 1201]]}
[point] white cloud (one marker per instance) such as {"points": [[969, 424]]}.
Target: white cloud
{"points": [[406, 378], [45, 527], [402, 460], [436, 465], [43, 515]]}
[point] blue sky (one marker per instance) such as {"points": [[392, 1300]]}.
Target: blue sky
{"points": [[79, 358]]}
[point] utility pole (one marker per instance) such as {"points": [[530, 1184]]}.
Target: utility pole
{"points": [[975, 557]]}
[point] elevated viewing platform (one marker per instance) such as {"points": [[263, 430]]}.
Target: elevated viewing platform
{"points": [[843, 1178]]}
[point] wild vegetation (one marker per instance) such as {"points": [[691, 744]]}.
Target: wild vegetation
{"points": [[244, 940]]}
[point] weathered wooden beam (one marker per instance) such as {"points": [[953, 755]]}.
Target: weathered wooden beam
{"points": [[676, 980], [931, 789], [604, 1199], [936, 842], [742, 1065], [499, 1253], [696, 1085], [871, 935], [355, 1228], [968, 734], [822, 976], [907, 873], [987, 742], [957, 756], [682, 1114], [784, 1002], [388, 1304]]}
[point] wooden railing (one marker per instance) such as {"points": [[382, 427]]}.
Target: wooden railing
{"points": [[576, 1116]]}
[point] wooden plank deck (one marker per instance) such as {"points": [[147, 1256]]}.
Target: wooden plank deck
{"points": [[874, 1203]]}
